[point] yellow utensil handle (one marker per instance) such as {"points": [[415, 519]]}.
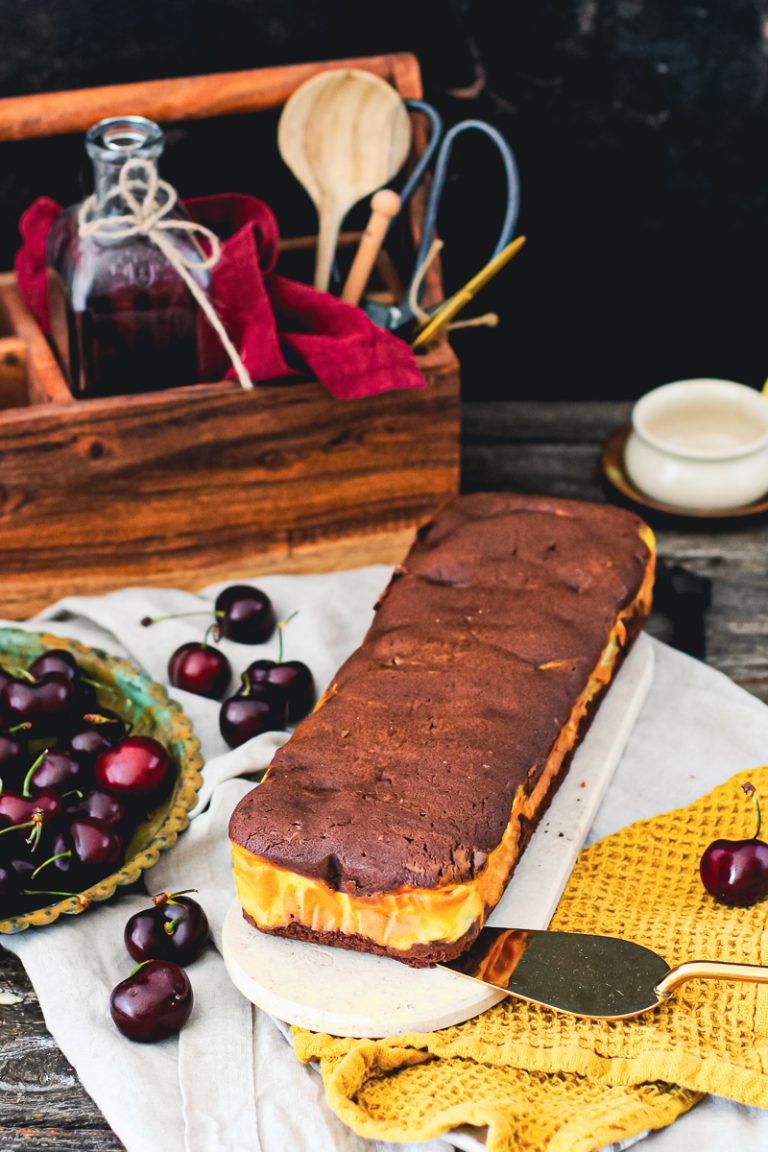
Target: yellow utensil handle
{"points": [[709, 970], [451, 308]]}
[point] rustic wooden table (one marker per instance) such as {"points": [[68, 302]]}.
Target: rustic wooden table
{"points": [[552, 448]]}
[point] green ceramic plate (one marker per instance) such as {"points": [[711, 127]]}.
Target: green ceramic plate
{"points": [[126, 690]]}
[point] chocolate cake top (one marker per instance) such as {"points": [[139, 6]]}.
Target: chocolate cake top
{"points": [[408, 772]]}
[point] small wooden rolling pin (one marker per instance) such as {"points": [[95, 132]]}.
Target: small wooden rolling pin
{"points": [[385, 205]]}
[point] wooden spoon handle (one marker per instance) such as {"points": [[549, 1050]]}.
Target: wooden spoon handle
{"points": [[385, 205], [332, 214]]}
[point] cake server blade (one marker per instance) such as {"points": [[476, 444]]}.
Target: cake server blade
{"points": [[599, 977]]}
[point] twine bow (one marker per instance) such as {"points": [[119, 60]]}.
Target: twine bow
{"points": [[147, 215]]}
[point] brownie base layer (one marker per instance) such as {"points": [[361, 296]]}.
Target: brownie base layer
{"points": [[439, 952]]}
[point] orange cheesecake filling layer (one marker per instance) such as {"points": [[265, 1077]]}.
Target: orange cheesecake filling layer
{"points": [[275, 897]]}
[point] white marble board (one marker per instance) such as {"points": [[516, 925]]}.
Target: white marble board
{"points": [[354, 994]]}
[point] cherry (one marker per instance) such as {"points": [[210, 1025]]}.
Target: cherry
{"points": [[44, 703], [291, 677], [136, 766], [103, 805], [245, 614], [95, 732], [264, 709], [57, 769], [200, 668], [22, 809], [57, 661], [175, 928], [85, 851], [735, 872], [153, 1002], [13, 753], [242, 613]]}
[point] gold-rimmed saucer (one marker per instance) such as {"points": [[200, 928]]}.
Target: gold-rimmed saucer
{"points": [[616, 474]]}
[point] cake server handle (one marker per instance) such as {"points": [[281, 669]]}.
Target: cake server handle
{"points": [[709, 970]]}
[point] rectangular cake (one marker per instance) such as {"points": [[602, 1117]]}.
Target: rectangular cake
{"points": [[393, 818]]}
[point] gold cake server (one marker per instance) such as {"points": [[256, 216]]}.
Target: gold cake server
{"points": [[599, 977]]}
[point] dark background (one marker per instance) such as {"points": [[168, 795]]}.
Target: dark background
{"points": [[640, 128]]}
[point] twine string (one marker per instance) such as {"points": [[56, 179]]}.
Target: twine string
{"points": [[147, 215]]}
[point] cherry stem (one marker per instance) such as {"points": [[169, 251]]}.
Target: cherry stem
{"points": [[97, 718], [146, 621], [246, 683], [751, 790], [23, 727], [212, 629], [16, 827], [170, 897], [37, 829], [170, 925], [133, 971], [73, 792], [280, 628], [28, 778], [50, 860], [45, 892]]}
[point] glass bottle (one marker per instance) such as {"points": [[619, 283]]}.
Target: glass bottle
{"points": [[122, 318]]}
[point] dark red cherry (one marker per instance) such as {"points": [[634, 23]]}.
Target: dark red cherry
{"points": [[175, 928], [14, 757], [264, 709], [21, 809], [200, 668], [45, 703], [94, 843], [245, 614], [153, 1002], [292, 677], [93, 734], [103, 805], [84, 851], [735, 872], [136, 766], [57, 661], [58, 769]]}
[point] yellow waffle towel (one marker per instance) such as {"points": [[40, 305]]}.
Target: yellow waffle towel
{"points": [[543, 1081]]}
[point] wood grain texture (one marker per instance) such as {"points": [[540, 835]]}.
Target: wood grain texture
{"points": [[179, 489], [186, 98], [553, 448]]}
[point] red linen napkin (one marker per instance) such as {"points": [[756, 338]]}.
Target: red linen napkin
{"points": [[280, 327]]}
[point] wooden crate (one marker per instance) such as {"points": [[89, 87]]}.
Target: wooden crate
{"points": [[206, 482]]}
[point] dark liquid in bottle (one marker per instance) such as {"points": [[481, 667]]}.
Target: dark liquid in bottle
{"points": [[142, 348], [135, 337]]}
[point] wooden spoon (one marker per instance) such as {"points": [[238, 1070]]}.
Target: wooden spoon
{"points": [[343, 134]]}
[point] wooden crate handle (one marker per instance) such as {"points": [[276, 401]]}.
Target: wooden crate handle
{"points": [[186, 98]]}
